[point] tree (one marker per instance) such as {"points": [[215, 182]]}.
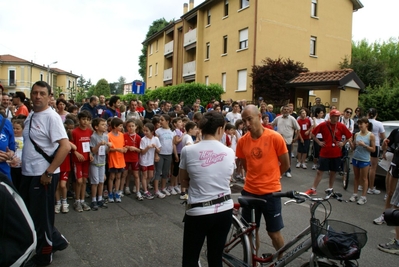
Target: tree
{"points": [[155, 27], [102, 88], [121, 84], [269, 79]]}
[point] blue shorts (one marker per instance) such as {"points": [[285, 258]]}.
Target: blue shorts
{"points": [[329, 164], [360, 164], [271, 212]]}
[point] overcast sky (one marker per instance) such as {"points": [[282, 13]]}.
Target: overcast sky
{"points": [[102, 38]]}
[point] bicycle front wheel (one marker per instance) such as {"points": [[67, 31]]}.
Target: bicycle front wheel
{"points": [[345, 171], [237, 249]]}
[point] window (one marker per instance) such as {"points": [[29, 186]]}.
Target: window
{"points": [[243, 39], [224, 81], [156, 69], [41, 76], [150, 71], [156, 46], [244, 4], [206, 80], [225, 44], [11, 78], [150, 50], [313, 10], [242, 80], [226, 8], [208, 48], [209, 17], [313, 41]]}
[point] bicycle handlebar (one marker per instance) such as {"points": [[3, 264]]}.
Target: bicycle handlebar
{"points": [[301, 196]]}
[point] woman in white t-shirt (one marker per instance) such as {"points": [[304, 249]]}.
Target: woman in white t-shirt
{"points": [[319, 113], [205, 169]]}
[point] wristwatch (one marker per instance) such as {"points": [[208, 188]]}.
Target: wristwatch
{"points": [[49, 175]]}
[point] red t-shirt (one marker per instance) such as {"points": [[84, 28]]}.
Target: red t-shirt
{"points": [[66, 164], [329, 130], [267, 126], [304, 125], [134, 140], [81, 139]]}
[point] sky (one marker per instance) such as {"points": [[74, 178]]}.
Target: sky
{"points": [[103, 38]]}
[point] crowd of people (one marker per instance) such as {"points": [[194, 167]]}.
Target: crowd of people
{"points": [[101, 148]]}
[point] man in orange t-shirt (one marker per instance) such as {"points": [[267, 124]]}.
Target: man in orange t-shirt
{"points": [[264, 155], [18, 101]]}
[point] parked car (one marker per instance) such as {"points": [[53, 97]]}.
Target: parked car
{"points": [[383, 165]]}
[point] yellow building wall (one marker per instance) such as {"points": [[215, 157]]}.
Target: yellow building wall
{"points": [[156, 58]]}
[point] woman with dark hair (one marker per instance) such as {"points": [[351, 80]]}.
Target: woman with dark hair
{"points": [[319, 113], [358, 115], [61, 106], [206, 169]]}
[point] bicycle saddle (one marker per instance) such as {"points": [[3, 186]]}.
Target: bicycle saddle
{"points": [[251, 202]]}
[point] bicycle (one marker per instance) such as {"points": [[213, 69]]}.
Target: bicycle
{"points": [[345, 166], [240, 248]]}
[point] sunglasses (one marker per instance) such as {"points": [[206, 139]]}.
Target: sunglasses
{"points": [[349, 112]]}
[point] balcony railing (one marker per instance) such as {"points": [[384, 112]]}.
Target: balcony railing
{"points": [[167, 74], [168, 48], [189, 68], [190, 37]]}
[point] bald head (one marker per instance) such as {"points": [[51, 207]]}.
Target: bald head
{"points": [[251, 109], [252, 120]]}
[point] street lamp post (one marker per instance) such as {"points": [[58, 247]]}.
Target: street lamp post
{"points": [[48, 71]]}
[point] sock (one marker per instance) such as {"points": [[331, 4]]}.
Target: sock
{"points": [[58, 202], [77, 201], [93, 199], [100, 198], [82, 200], [64, 201], [363, 197], [355, 194]]}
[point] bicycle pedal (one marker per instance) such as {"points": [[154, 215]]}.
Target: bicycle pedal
{"points": [[266, 255]]}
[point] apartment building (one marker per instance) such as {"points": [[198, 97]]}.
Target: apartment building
{"points": [[219, 41], [17, 74]]}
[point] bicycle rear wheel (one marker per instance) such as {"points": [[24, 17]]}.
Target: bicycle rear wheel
{"points": [[345, 173], [237, 249]]}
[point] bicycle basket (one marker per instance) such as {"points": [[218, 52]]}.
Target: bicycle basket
{"points": [[337, 240]]}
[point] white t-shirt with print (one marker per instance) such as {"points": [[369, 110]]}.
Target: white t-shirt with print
{"points": [[166, 138], [210, 165], [147, 159]]}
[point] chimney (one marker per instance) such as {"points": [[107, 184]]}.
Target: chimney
{"points": [[191, 4], [185, 8]]}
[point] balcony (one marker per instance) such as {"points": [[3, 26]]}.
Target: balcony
{"points": [[168, 49], [189, 71], [8, 83], [167, 74], [190, 39]]}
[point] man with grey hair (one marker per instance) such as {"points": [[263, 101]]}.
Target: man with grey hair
{"points": [[317, 105]]}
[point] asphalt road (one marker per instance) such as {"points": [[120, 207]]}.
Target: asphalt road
{"points": [[150, 232]]}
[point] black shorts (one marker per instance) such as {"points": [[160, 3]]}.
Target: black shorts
{"points": [[376, 153], [303, 147], [329, 164], [316, 148]]}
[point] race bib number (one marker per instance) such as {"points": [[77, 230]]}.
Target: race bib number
{"points": [[86, 147], [101, 151], [304, 127]]}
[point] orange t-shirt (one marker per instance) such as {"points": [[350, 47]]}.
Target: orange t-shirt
{"points": [[263, 166], [116, 159], [22, 110]]}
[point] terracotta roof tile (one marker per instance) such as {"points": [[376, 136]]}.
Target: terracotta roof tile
{"points": [[321, 76], [11, 58]]}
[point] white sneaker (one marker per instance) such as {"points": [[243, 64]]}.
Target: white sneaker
{"points": [[183, 196], [292, 155], [172, 190], [380, 220], [362, 201], [159, 194], [298, 165], [304, 166], [57, 208], [314, 167], [177, 189], [149, 186], [139, 196], [360, 188], [65, 208], [373, 191], [165, 192], [354, 198], [288, 174], [127, 191]]}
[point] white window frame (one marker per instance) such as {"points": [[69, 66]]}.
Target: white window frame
{"points": [[208, 17], [313, 8], [206, 80], [313, 46], [224, 81], [244, 4], [242, 80], [243, 39], [156, 69], [12, 69], [226, 8], [156, 45], [208, 51], [150, 71], [225, 44], [151, 49]]}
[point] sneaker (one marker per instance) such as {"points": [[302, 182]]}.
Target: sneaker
{"points": [[183, 196], [85, 206], [148, 195], [159, 194], [177, 189], [298, 165], [314, 167], [118, 198], [94, 206], [172, 190], [127, 191], [311, 192], [149, 186], [120, 192], [304, 166], [380, 220], [373, 191], [292, 155], [111, 198], [354, 198], [328, 191], [390, 247], [78, 206], [57, 208], [102, 204], [360, 188], [105, 194], [288, 175], [362, 201], [165, 192], [139, 196], [65, 208]]}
